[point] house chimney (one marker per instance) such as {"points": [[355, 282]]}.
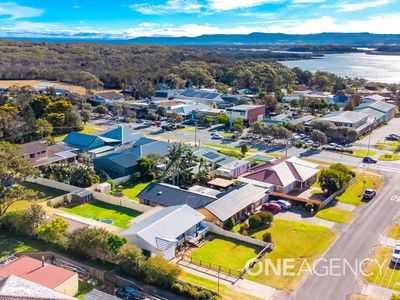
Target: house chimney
{"points": [[42, 261]]}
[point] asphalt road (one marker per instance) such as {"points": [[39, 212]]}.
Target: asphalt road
{"points": [[353, 246]]}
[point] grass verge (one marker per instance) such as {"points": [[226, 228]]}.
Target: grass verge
{"points": [[354, 194], [225, 291], [389, 157], [394, 232], [380, 271], [362, 153], [335, 214]]}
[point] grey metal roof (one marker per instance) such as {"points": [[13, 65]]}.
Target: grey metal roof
{"points": [[170, 195], [235, 200], [125, 159], [377, 105], [99, 295], [163, 227], [349, 117]]}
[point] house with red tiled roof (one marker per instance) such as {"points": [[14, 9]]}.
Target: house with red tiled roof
{"points": [[42, 273], [283, 175]]}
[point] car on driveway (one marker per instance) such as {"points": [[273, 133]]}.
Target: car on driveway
{"points": [[369, 160], [396, 254], [369, 194], [271, 206], [284, 204]]}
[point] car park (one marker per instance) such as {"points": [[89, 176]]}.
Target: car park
{"points": [[396, 254], [369, 160], [369, 194], [271, 206]]}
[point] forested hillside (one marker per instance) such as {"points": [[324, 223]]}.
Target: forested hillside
{"points": [[114, 66]]}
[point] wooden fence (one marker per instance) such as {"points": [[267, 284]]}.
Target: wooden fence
{"points": [[121, 201]]}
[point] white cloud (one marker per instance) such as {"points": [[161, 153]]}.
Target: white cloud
{"points": [[15, 11], [346, 7], [380, 24], [235, 4], [307, 1], [171, 6]]}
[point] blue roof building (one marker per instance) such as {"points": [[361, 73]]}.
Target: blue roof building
{"points": [[118, 164], [83, 142]]}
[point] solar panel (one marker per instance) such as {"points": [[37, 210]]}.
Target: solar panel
{"points": [[212, 96], [187, 93], [211, 155], [203, 94]]}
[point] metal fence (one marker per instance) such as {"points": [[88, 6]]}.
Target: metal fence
{"points": [[213, 266]]}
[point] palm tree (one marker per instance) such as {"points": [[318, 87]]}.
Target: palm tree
{"points": [[174, 157]]}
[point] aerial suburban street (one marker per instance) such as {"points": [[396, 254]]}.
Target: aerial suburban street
{"points": [[354, 245]]}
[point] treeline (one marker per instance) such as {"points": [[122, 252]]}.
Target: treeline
{"points": [[115, 66]]}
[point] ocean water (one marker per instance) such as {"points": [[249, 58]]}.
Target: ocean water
{"points": [[379, 68]]}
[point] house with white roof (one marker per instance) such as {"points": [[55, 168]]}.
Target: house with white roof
{"points": [[233, 169], [283, 175], [238, 203], [165, 231], [356, 120]]}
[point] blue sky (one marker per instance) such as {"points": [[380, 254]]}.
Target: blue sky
{"points": [[133, 18]]}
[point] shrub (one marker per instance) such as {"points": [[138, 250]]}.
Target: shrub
{"points": [[130, 260], [151, 176], [254, 221], [191, 291], [243, 227], [308, 207], [267, 237], [231, 153], [266, 217], [230, 223], [158, 271]]}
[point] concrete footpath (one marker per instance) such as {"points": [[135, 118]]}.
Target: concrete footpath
{"points": [[239, 285]]}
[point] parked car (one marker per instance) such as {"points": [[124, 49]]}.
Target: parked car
{"points": [[284, 204], [167, 127], [180, 126], [274, 207], [369, 194], [393, 137], [140, 121], [216, 136], [369, 160], [333, 145], [396, 254]]}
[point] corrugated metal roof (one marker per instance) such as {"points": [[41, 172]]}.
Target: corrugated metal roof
{"points": [[122, 134], [163, 227], [170, 195], [236, 200], [80, 139]]}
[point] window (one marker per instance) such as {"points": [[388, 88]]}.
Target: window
{"points": [[32, 155]]}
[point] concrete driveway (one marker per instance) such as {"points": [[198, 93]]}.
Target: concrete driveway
{"points": [[379, 134]]}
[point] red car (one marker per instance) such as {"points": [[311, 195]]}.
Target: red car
{"points": [[274, 207]]}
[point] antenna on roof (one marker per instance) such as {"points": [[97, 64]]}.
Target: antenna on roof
{"points": [[42, 261]]}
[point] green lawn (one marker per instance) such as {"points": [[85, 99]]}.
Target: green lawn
{"points": [[48, 193], [87, 129], [393, 146], [133, 191], [225, 291], [394, 232], [335, 214], [294, 240], [227, 252], [388, 276], [188, 129], [362, 153], [10, 246], [101, 210], [84, 289], [354, 194], [389, 157]]}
